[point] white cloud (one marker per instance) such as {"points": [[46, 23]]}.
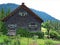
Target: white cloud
{"points": [[51, 7]]}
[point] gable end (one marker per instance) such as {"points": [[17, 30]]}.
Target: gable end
{"points": [[25, 8]]}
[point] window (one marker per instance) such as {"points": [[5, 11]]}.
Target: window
{"points": [[32, 25], [12, 25], [22, 13]]}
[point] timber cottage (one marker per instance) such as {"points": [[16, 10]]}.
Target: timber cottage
{"points": [[22, 17]]}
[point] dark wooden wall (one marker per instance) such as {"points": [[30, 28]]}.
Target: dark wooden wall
{"points": [[23, 21]]}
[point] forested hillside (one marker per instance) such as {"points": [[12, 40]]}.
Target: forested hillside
{"points": [[44, 15]]}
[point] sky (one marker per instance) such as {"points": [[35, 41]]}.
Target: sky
{"points": [[51, 7]]}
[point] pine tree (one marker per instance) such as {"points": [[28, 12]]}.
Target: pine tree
{"points": [[2, 13], [8, 11]]}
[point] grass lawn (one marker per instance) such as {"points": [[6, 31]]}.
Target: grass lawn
{"points": [[26, 41]]}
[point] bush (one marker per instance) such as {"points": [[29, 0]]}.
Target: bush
{"points": [[23, 32], [54, 35], [58, 37], [39, 34], [26, 33]]}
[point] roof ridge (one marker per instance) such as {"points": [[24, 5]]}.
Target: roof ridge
{"points": [[25, 8]]}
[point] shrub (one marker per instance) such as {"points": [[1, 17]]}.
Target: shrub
{"points": [[26, 33], [23, 32], [54, 35], [39, 34], [58, 37]]}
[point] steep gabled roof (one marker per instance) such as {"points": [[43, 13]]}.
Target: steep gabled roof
{"points": [[25, 8]]}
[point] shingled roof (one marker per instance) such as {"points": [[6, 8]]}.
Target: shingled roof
{"points": [[25, 8]]}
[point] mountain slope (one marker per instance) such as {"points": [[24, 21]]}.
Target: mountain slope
{"points": [[44, 15], [41, 14], [9, 5]]}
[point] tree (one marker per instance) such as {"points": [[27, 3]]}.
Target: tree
{"points": [[47, 25], [3, 28], [8, 11], [2, 13], [52, 25]]}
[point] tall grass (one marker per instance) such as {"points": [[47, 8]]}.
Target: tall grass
{"points": [[17, 40]]}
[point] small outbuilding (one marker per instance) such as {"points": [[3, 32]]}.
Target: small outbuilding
{"points": [[22, 17]]}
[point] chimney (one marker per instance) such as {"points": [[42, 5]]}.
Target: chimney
{"points": [[23, 3]]}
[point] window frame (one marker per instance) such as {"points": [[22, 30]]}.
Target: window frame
{"points": [[33, 26], [23, 13], [12, 25]]}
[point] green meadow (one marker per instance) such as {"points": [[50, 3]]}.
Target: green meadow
{"points": [[17, 40]]}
